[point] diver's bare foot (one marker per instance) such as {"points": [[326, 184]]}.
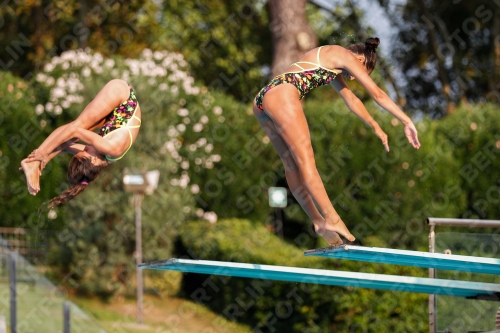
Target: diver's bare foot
{"points": [[336, 225], [331, 237], [32, 172]]}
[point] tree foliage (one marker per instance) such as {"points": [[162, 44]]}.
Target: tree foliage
{"points": [[226, 42], [35, 31], [267, 305], [448, 52]]}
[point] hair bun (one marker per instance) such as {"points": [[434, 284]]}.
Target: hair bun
{"points": [[372, 43]]}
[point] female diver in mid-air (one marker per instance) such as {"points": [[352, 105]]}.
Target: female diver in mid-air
{"points": [[279, 110], [116, 112]]}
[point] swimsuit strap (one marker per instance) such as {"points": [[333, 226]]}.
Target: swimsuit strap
{"points": [[130, 134], [319, 62], [135, 126], [297, 64], [306, 62], [317, 65]]}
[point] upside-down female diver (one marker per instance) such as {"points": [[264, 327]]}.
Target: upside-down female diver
{"points": [[116, 112], [279, 110]]}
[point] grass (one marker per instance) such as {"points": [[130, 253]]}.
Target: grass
{"points": [[40, 308], [169, 314]]}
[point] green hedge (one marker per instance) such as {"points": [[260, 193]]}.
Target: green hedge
{"points": [[292, 307]]}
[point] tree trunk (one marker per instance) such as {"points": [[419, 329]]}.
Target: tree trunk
{"points": [[292, 35], [82, 43], [443, 77], [37, 15]]}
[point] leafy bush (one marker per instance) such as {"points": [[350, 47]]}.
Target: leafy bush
{"points": [[292, 307], [96, 234], [20, 130]]}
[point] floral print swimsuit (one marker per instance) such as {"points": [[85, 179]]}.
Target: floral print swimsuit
{"points": [[304, 80], [119, 118]]}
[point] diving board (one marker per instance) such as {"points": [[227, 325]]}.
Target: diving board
{"points": [[477, 290], [410, 258]]}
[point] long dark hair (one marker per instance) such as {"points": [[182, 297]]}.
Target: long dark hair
{"points": [[81, 172], [368, 49]]}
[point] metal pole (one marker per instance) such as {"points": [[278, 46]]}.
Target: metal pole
{"points": [[138, 252], [450, 222], [471, 223], [66, 317], [12, 287], [279, 222], [432, 275]]}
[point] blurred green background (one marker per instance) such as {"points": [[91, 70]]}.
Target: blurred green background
{"points": [[196, 66]]}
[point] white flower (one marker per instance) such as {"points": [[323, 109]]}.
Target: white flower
{"points": [[147, 54], [201, 142], [183, 112], [197, 127], [181, 127], [184, 180], [197, 161], [61, 83], [94, 64], [52, 214], [185, 165], [49, 106], [57, 93], [169, 145], [50, 81], [215, 158], [109, 63], [98, 58], [39, 109], [58, 109], [163, 86], [199, 212], [40, 77], [204, 119], [158, 55], [86, 71], [68, 55], [210, 217], [209, 148]]}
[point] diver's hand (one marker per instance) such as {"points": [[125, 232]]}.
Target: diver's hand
{"points": [[412, 135], [38, 155], [382, 136]]}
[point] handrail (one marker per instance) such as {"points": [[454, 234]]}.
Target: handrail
{"points": [[471, 223]]}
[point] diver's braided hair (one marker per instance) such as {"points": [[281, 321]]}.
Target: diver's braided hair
{"points": [[368, 50], [81, 172]]}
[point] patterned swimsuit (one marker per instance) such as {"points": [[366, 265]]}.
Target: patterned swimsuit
{"points": [[119, 118], [304, 80]]}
